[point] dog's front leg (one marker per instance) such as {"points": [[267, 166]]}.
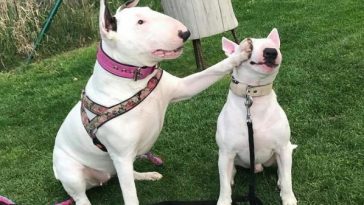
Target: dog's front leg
{"points": [[226, 169], [125, 171], [284, 161], [192, 85]]}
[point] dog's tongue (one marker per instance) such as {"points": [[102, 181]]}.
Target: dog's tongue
{"points": [[163, 53], [159, 53]]}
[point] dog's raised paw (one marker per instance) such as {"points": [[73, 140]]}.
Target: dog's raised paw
{"points": [[239, 53], [247, 47]]}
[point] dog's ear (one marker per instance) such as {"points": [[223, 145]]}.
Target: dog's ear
{"points": [[228, 46], [108, 23], [274, 36], [131, 3], [128, 4]]}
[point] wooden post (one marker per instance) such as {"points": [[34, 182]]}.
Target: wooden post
{"points": [[236, 39], [203, 18], [198, 54]]}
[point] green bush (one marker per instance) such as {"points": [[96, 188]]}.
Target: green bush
{"points": [[75, 25]]}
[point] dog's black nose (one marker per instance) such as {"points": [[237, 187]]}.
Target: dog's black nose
{"points": [[184, 35], [270, 54]]}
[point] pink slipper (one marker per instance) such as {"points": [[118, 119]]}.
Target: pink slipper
{"points": [[152, 158], [67, 202], [6, 201]]}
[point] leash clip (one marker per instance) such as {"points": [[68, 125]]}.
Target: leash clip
{"points": [[248, 104]]}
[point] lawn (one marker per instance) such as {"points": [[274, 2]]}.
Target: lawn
{"points": [[320, 86]]}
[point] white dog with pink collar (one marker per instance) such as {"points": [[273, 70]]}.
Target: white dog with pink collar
{"points": [[134, 41]]}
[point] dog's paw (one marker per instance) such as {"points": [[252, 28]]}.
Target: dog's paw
{"points": [[246, 47], [224, 202], [243, 53], [155, 176], [289, 199], [258, 168], [232, 181], [148, 176]]}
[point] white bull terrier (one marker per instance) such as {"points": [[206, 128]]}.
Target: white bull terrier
{"points": [[127, 86], [271, 128]]}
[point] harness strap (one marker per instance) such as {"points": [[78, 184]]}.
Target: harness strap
{"points": [[105, 114]]}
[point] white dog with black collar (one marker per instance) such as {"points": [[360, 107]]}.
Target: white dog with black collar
{"points": [[271, 128]]}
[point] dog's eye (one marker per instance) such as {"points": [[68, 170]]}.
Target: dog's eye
{"points": [[140, 22]]}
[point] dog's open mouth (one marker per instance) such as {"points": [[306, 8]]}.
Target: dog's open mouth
{"points": [[268, 64], [168, 53]]}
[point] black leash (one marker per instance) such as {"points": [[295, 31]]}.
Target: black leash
{"points": [[251, 197]]}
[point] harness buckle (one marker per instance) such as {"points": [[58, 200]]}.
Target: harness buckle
{"points": [[94, 131]]}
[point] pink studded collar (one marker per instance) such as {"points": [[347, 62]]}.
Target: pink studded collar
{"points": [[122, 70]]}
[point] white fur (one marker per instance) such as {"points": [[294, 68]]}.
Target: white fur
{"points": [[271, 127], [77, 162]]}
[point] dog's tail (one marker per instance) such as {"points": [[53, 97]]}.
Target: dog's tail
{"points": [[293, 146]]}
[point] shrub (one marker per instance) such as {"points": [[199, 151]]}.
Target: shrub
{"points": [[21, 21], [75, 25]]}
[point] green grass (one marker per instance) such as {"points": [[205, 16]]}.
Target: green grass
{"points": [[320, 86]]}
